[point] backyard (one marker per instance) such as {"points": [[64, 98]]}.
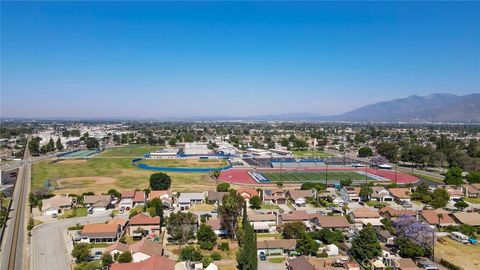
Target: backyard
{"points": [[466, 256]]}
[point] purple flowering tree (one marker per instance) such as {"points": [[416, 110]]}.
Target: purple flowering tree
{"points": [[378, 160], [419, 233]]}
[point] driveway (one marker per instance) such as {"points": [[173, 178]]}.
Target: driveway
{"points": [[266, 265], [51, 247]]}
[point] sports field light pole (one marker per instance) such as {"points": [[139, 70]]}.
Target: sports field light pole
{"points": [[326, 175]]}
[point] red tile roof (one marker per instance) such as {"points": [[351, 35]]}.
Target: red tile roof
{"points": [[128, 194], [143, 219], [365, 213], [431, 217], [156, 262], [139, 196], [99, 230]]}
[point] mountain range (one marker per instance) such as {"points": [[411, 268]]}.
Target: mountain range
{"points": [[432, 108]]}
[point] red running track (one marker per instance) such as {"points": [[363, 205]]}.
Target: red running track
{"points": [[241, 176]]}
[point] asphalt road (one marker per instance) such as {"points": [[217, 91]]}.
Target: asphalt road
{"points": [[51, 247]]}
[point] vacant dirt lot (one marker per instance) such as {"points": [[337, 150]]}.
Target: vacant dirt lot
{"points": [[465, 256]]}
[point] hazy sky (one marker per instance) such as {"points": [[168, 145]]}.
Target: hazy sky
{"points": [[181, 59]]}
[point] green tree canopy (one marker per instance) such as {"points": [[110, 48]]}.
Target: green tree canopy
{"points": [[81, 252], [160, 181], [190, 253], [125, 257], [473, 177], [293, 230], [365, 151], [366, 245], [255, 202], [454, 176], [223, 187]]}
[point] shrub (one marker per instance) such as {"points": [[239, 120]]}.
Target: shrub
{"points": [[206, 245], [224, 246], [450, 265], [216, 256]]}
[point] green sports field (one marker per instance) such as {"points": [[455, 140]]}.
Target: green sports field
{"points": [[313, 176]]}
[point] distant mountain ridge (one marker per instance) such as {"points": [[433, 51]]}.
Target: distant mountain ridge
{"points": [[432, 108]]}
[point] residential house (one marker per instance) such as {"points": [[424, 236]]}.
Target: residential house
{"points": [[140, 198], [186, 200], [456, 193], [247, 193], [263, 223], [141, 250], [363, 216], [165, 196], [56, 204], [391, 213], [156, 262], [437, 218], [350, 194], [299, 197], [215, 197], [385, 237], [298, 215], [471, 190], [119, 221], [97, 203], [381, 194], [143, 224], [313, 263], [405, 264], [274, 196], [276, 246], [102, 233], [330, 222], [400, 194], [471, 218], [217, 227], [126, 200]]}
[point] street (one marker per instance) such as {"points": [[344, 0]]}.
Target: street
{"points": [[51, 247]]}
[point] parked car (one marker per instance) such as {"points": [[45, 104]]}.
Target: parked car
{"points": [[361, 203], [472, 241], [54, 215], [262, 256]]}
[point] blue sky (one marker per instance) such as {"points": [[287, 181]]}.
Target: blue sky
{"points": [[155, 59]]}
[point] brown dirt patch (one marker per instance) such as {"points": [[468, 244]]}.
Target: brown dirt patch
{"points": [[72, 161]]}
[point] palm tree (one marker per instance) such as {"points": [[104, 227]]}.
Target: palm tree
{"points": [[279, 184], [439, 216], [1, 200], [365, 192]]}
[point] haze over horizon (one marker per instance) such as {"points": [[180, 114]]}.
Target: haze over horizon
{"points": [[149, 59]]}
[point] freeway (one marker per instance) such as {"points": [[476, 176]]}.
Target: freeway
{"points": [[13, 244]]}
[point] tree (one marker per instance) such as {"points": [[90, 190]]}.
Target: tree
{"points": [[181, 227], [409, 249], [81, 252], [345, 182], [293, 230], [365, 151], [206, 237], [365, 192], [388, 150], [59, 145], [255, 202], [366, 245], [160, 181], [279, 184], [410, 228], [307, 246], [461, 205], [106, 259], [454, 176], [91, 143], [223, 187], [190, 253], [125, 257], [328, 236], [157, 206], [230, 211], [473, 177], [113, 192], [216, 174], [440, 198], [247, 254]]}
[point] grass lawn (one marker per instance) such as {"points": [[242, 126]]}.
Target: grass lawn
{"points": [[186, 163], [130, 151], [75, 212], [269, 206], [472, 200], [466, 256], [202, 207], [312, 176], [265, 236], [373, 203], [276, 260], [310, 153], [110, 169]]}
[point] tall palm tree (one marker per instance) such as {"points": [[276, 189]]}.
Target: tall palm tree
{"points": [[279, 184], [1, 200], [439, 216]]}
